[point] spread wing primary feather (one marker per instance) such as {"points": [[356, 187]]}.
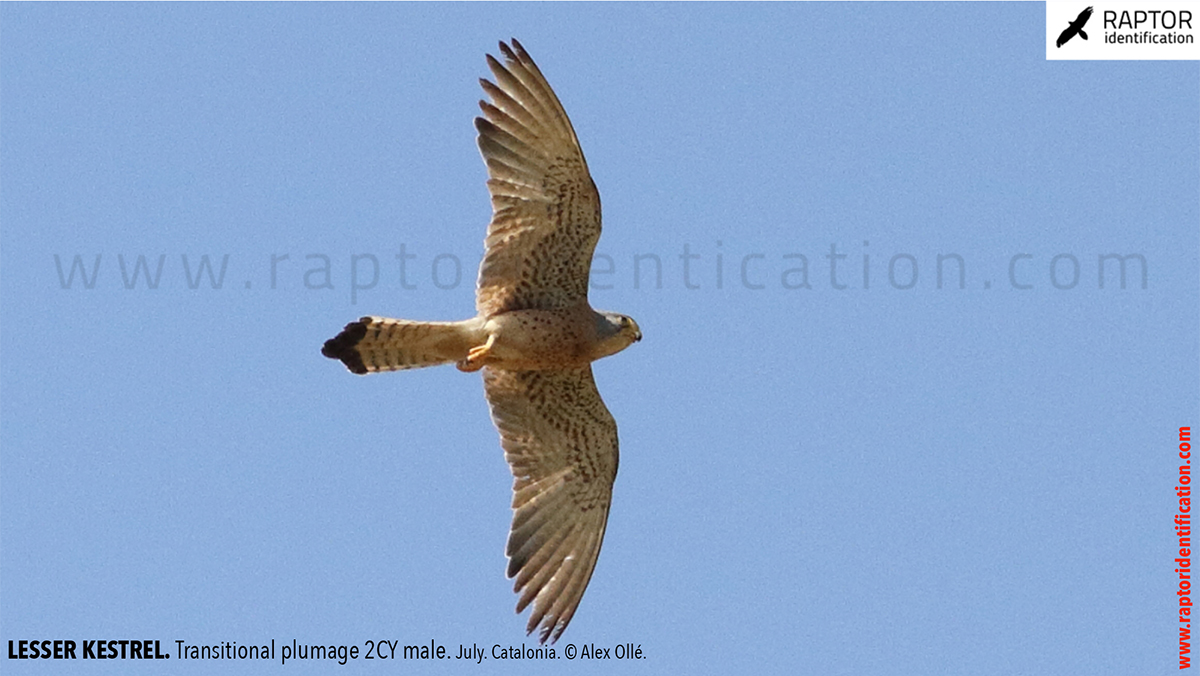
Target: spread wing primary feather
{"points": [[545, 207], [561, 444]]}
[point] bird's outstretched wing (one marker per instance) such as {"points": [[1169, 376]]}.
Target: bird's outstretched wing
{"points": [[545, 207], [1067, 34], [561, 444]]}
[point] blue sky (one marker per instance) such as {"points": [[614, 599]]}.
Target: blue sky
{"points": [[887, 478]]}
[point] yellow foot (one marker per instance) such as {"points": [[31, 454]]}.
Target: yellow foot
{"points": [[477, 357]]}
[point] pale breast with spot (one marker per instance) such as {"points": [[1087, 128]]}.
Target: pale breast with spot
{"points": [[541, 339]]}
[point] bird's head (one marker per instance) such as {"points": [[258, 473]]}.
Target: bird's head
{"points": [[616, 332]]}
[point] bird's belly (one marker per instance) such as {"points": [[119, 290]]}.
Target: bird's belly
{"points": [[527, 340]]}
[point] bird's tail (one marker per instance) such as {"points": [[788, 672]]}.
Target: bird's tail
{"points": [[1083, 35], [379, 344]]}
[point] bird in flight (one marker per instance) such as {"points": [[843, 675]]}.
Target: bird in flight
{"points": [[534, 338], [1075, 27]]}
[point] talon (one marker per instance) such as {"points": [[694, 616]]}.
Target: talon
{"points": [[477, 357]]}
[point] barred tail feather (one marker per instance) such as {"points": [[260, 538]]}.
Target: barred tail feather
{"points": [[379, 344]]}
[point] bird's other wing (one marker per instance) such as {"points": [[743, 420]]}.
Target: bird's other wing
{"points": [[545, 207], [1081, 21], [1065, 35], [561, 444]]}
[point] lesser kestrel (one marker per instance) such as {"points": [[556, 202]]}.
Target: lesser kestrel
{"points": [[534, 338]]}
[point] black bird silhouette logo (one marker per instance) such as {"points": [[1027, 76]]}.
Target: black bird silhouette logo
{"points": [[1076, 27]]}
